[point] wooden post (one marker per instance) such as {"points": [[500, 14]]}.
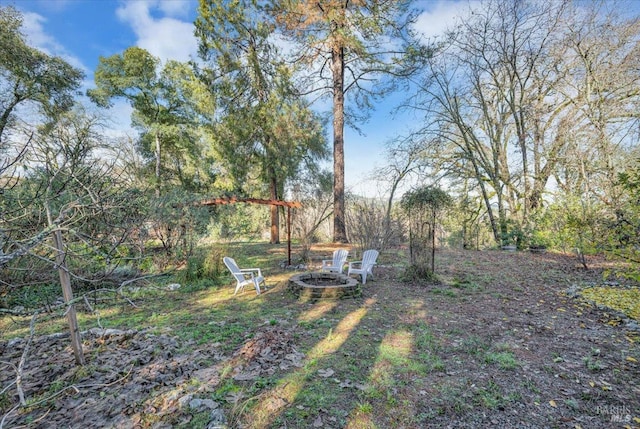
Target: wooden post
{"points": [[289, 235], [65, 281]]}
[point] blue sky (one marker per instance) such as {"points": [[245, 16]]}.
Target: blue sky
{"points": [[83, 30]]}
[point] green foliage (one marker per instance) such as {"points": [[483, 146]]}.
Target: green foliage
{"points": [[422, 207], [176, 224], [420, 273], [203, 265], [624, 230], [167, 106], [232, 222], [576, 224], [425, 199], [513, 235], [265, 128], [32, 297], [30, 75]]}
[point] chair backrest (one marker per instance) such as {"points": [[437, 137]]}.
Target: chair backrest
{"points": [[340, 257], [369, 258], [233, 267]]}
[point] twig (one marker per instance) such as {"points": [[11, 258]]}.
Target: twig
{"points": [[25, 352], [96, 312], [7, 388], [31, 424], [7, 415]]}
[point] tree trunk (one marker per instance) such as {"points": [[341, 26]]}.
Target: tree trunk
{"points": [[433, 241], [158, 163], [337, 67], [275, 217]]}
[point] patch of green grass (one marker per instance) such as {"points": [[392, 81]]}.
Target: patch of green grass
{"points": [[504, 359], [431, 362], [452, 399], [230, 335], [424, 338], [364, 407], [593, 364], [474, 345], [466, 284], [530, 385], [492, 396], [198, 420], [31, 297], [445, 292], [318, 394], [499, 295], [228, 387]]}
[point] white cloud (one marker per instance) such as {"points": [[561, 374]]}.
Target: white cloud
{"points": [[175, 8], [441, 16], [166, 37], [33, 29]]}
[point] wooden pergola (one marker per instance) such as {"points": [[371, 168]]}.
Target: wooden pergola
{"points": [[232, 200]]}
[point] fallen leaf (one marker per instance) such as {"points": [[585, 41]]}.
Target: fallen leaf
{"points": [[626, 301], [553, 403], [631, 359]]}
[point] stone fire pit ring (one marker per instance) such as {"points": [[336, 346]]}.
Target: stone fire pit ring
{"points": [[324, 285]]}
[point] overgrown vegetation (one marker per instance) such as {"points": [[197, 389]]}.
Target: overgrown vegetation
{"points": [[423, 208]]}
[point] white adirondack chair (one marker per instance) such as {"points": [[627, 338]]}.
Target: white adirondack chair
{"points": [[336, 264], [364, 267], [244, 277]]}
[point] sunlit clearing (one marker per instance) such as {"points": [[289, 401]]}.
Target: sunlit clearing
{"points": [[416, 311], [338, 336], [222, 296], [8, 325], [273, 402], [395, 351], [317, 311], [360, 420]]}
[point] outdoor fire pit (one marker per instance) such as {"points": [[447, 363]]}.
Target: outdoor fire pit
{"points": [[324, 285]]}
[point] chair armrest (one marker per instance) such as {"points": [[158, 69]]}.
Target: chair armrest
{"points": [[251, 271], [351, 264], [327, 262]]}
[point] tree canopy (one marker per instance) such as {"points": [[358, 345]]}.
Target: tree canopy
{"points": [[349, 48], [28, 75]]}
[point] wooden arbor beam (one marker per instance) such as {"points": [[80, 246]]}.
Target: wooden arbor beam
{"points": [[232, 200]]}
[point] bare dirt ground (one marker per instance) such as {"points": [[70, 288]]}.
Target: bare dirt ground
{"points": [[512, 346]]}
